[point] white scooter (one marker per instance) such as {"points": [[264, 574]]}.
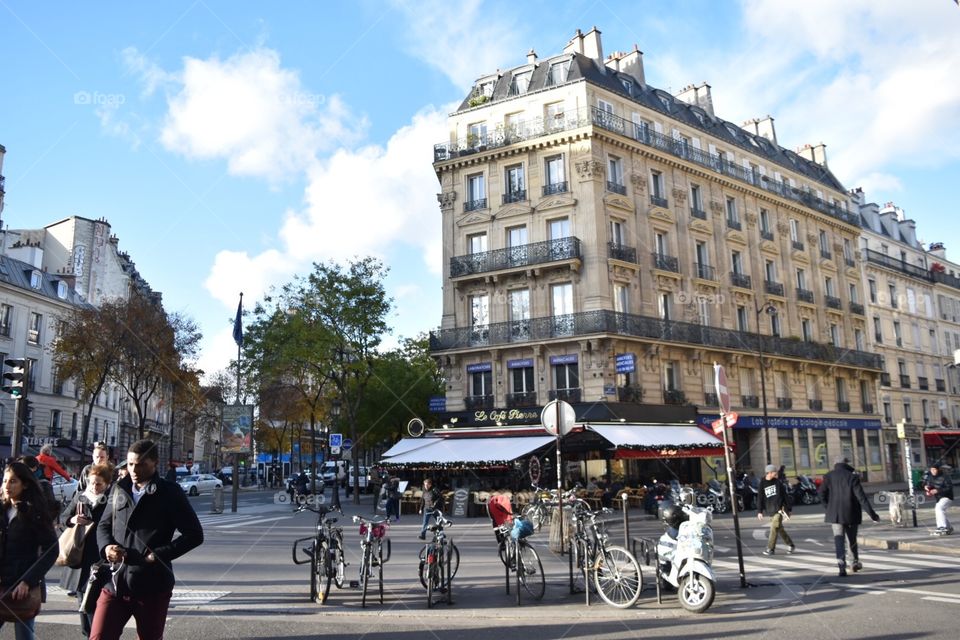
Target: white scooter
{"points": [[685, 552]]}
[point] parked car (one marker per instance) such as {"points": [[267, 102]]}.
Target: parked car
{"points": [[196, 484], [225, 475], [364, 479], [329, 472], [64, 489]]}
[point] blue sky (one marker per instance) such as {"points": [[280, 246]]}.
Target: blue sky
{"points": [[230, 144]]}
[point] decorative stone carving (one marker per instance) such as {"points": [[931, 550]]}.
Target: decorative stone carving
{"points": [[783, 227], [589, 169], [751, 219], [679, 195], [716, 206], [639, 182], [837, 247], [446, 200], [666, 283], [812, 238]]}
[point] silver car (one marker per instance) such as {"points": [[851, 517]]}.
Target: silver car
{"points": [[200, 483]]}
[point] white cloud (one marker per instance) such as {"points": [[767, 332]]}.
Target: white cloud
{"points": [[235, 271], [148, 72], [254, 114]]}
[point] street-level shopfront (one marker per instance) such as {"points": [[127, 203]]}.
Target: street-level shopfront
{"points": [[943, 446], [807, 445]]}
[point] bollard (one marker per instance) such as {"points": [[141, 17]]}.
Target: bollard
{"points": [[216, 505], [626, 521]]}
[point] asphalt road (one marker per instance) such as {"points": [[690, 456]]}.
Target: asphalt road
{"points": [[242, 584]]}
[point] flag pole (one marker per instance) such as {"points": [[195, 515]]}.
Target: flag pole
{"points": [[238, 338]]}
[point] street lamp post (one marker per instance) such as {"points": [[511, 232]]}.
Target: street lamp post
{"points": [[335, 414], [770, 310]]}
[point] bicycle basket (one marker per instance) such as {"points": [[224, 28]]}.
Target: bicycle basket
{"points": [[521, 528], [380, 530]]}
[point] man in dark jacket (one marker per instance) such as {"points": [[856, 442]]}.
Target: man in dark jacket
{"points": [[772, 500], [844, 499], [939, 487], [136, 535]]}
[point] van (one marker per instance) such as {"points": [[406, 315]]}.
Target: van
{"points": [[332, 469]]}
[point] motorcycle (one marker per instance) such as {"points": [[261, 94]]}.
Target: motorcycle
{"points": [[805, 491], [746, 492], [717, 497], [684, 554]]}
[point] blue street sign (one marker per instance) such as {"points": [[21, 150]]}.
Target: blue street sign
{"points": [[438, 404], [347, 444], [626, 363], [336, 439]]}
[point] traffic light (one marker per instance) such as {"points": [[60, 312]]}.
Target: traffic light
{"points": [[15, 379]]}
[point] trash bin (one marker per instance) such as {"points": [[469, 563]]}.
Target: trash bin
{"points": [[556, 544], [216, 505]]}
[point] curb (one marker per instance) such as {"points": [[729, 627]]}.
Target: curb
{"points": [[906, 545]]}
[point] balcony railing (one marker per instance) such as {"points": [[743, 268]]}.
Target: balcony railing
{"points": [[734, 224], [797, 245], [843, 406], [815, 405], [608, 322], [622, 252], [630, 393], [556, 187], [885, 379], [700, 214], [825, 254], [569, 395], [867, 408], [705, 271], [514, 257], [665, 263], [674, 396], [850, 262], [659, 201], [740, 280], [784, 403], [805, 295], [473, 205], [616, 187], [473, 403], [857, 308], [751, 402], [524, 399], [766, 235], [923, 384], [941, 385], [711, 400], [833, 302], [587, 116], [773, 288], [518, 195], [904, 381]]}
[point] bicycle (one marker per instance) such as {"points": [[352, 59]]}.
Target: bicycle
{"points": [[373, 533], [538, 511], [439, 560], [515, 551], [324, 552], [616, 572]]}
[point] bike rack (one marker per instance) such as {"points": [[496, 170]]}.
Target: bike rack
{"points": [[296, 544], [648, 551]]}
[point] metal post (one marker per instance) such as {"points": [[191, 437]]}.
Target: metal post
{"points": [[559, 475], [909, 463], [626, 522], [733, 493]]}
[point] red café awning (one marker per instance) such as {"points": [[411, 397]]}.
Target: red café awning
{"points": [[935, 438]]}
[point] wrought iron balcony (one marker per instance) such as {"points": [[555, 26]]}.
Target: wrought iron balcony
{"points": [[751, 402], [555, 187], [884, 379], [904, 381], [878, 338], [805, 295], [784, 403], [474, 403], [740, 280], [867, 408], [591, 116], [766, 235], [843, 406], [622, 252], [518, 195], [700, 214], [857, 308], [923, 384], [773, 288], [631, 393], [659, 201], [473, 205], [711, 400], [525, 399], [515, 257], [733, 224], [665, 263], [616, 187], [815, 405], [825, 253], [833, 302], [570, 395], [850, 262], [941, 385], [798, 245], [609, 322], [705, 271], [674, 396]]}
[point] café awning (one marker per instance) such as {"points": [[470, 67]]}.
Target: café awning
{"points": [[935, 438], [637, 440], [468, 451]]}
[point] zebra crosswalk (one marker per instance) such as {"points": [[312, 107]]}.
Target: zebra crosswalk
{"points": [[225, 521]]}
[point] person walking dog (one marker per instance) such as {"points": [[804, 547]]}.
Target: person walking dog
{"points": [[845, 500], [772, 500]]}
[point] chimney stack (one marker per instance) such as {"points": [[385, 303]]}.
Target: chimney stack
{"points": [[576, 43], [532, 57], [762, 127], [698, 95], [814, 153], [628, 63], [592, 47]]}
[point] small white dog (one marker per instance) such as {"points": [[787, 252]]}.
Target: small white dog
{"points": [[897, 507]]}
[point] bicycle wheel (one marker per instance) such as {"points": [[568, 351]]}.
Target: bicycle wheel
{"points": [[339, 565], [424, 567], [578, 559], [324, 570], [364, 575], [530, 570], [618, 577], [432, 567], [453, 556], [380, 569]]}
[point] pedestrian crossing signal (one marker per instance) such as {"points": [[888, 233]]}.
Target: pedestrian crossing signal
{"points": [[13, 380]]}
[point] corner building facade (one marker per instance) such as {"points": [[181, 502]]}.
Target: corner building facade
{"points": [[605, 242]]}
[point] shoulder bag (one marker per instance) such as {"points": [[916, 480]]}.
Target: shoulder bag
{"points": [[23, 609]]}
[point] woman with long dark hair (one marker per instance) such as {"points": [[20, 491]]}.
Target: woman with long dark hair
{"points": [[29, 540]]}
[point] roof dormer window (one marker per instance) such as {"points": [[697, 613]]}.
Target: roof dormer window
{"points": [[520, 83], [62, 290], [627, 86], [36, 279], [558, 73]]}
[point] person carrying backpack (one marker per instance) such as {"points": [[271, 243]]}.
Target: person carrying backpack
{"points": [[772, 500]]}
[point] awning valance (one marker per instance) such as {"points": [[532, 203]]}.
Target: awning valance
{"points": [[935, 438], [407, 445], [471, 451], [659, 441]]}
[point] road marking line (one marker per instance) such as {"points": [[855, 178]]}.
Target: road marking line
{"points": [[943, 599], [249, 522]]}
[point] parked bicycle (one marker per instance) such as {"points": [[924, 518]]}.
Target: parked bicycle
{"points": [[439, 561], [324, 553], [610, 569], [516, 553], [539, 510], [373, 539]]}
